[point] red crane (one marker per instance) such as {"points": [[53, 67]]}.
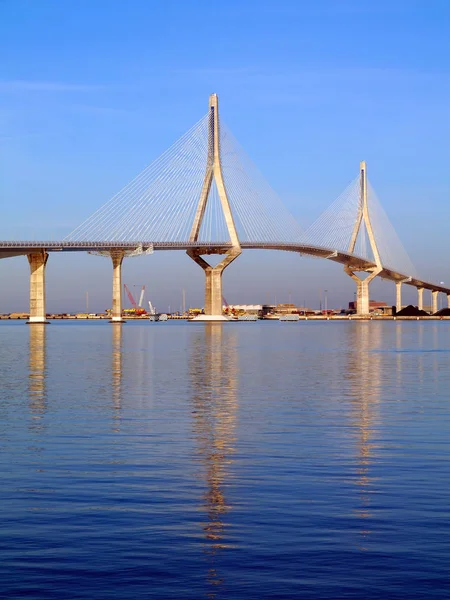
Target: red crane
{"points": [[138, 310], [227, 306]]}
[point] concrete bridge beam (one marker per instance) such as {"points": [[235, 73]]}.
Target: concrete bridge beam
{"points": [[38, 262], [116, 309]]}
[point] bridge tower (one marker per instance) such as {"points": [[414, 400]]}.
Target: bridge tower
{"points": [[363, 217], [213, 287]]}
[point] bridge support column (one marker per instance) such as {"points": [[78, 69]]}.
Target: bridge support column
{"points": [[448, 300], [434, 296], [116, 309], [362, 290], [37, 261], [420, 298], [398, 301], [362, 297], [213, 284]]}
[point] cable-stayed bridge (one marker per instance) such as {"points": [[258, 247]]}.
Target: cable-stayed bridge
{"points": [[204, 195]]}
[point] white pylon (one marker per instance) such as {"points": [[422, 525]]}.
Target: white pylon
{"points": [[213, 288], [363, 216]]}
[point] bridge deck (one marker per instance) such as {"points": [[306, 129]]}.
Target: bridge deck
{"points": [[17, 248]]}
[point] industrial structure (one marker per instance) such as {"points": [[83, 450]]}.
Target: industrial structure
{"points": [[204, 196]]}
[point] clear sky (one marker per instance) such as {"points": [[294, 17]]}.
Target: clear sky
{"points": [[91, 92]]}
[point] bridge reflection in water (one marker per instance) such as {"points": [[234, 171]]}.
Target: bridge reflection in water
{"points": [[379, 362], [37, 375], [116, 376], [213, 379], [203, 414], [364, 368]]}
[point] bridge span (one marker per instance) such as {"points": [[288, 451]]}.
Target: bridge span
{"points": [[204, 189], [38, 252]]}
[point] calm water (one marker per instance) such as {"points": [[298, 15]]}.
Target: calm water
{"points": [[245, 460]]}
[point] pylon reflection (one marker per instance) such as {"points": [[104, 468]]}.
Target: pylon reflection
{"points": [[213, 373], [364, 372]]}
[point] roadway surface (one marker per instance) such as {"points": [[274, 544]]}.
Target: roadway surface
{"points": [[12, 248]]}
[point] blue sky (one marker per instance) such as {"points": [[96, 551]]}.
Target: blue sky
{"points": [[91, 92]]}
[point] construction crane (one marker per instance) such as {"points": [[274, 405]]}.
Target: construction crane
{"points": [[141, 297], [152, 310], [227, 306], [138, 310]]}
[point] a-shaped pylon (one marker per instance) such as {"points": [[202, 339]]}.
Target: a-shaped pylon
{"points": [[363, 217], [213, 288]]}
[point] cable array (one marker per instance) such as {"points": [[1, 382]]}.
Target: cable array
{"points": [[334, 228], [160, 203], [392, 252], [258, 212], [213, 227]]}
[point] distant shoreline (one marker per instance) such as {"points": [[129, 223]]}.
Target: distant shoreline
{"points": [[24, 317]]}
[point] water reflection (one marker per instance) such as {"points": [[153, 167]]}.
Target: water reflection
{"points": [[37, 375], [213, 375], [411, 354], [398, 355], [435, 366], [116, 371], [364, 371]]}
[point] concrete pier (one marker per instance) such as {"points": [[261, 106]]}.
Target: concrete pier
{"points": [[434, 297], [362, 291], [398, 300], [37, 261], [362, 297], [420, 298], [448, 300], [116, 309], [213, 285]]}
